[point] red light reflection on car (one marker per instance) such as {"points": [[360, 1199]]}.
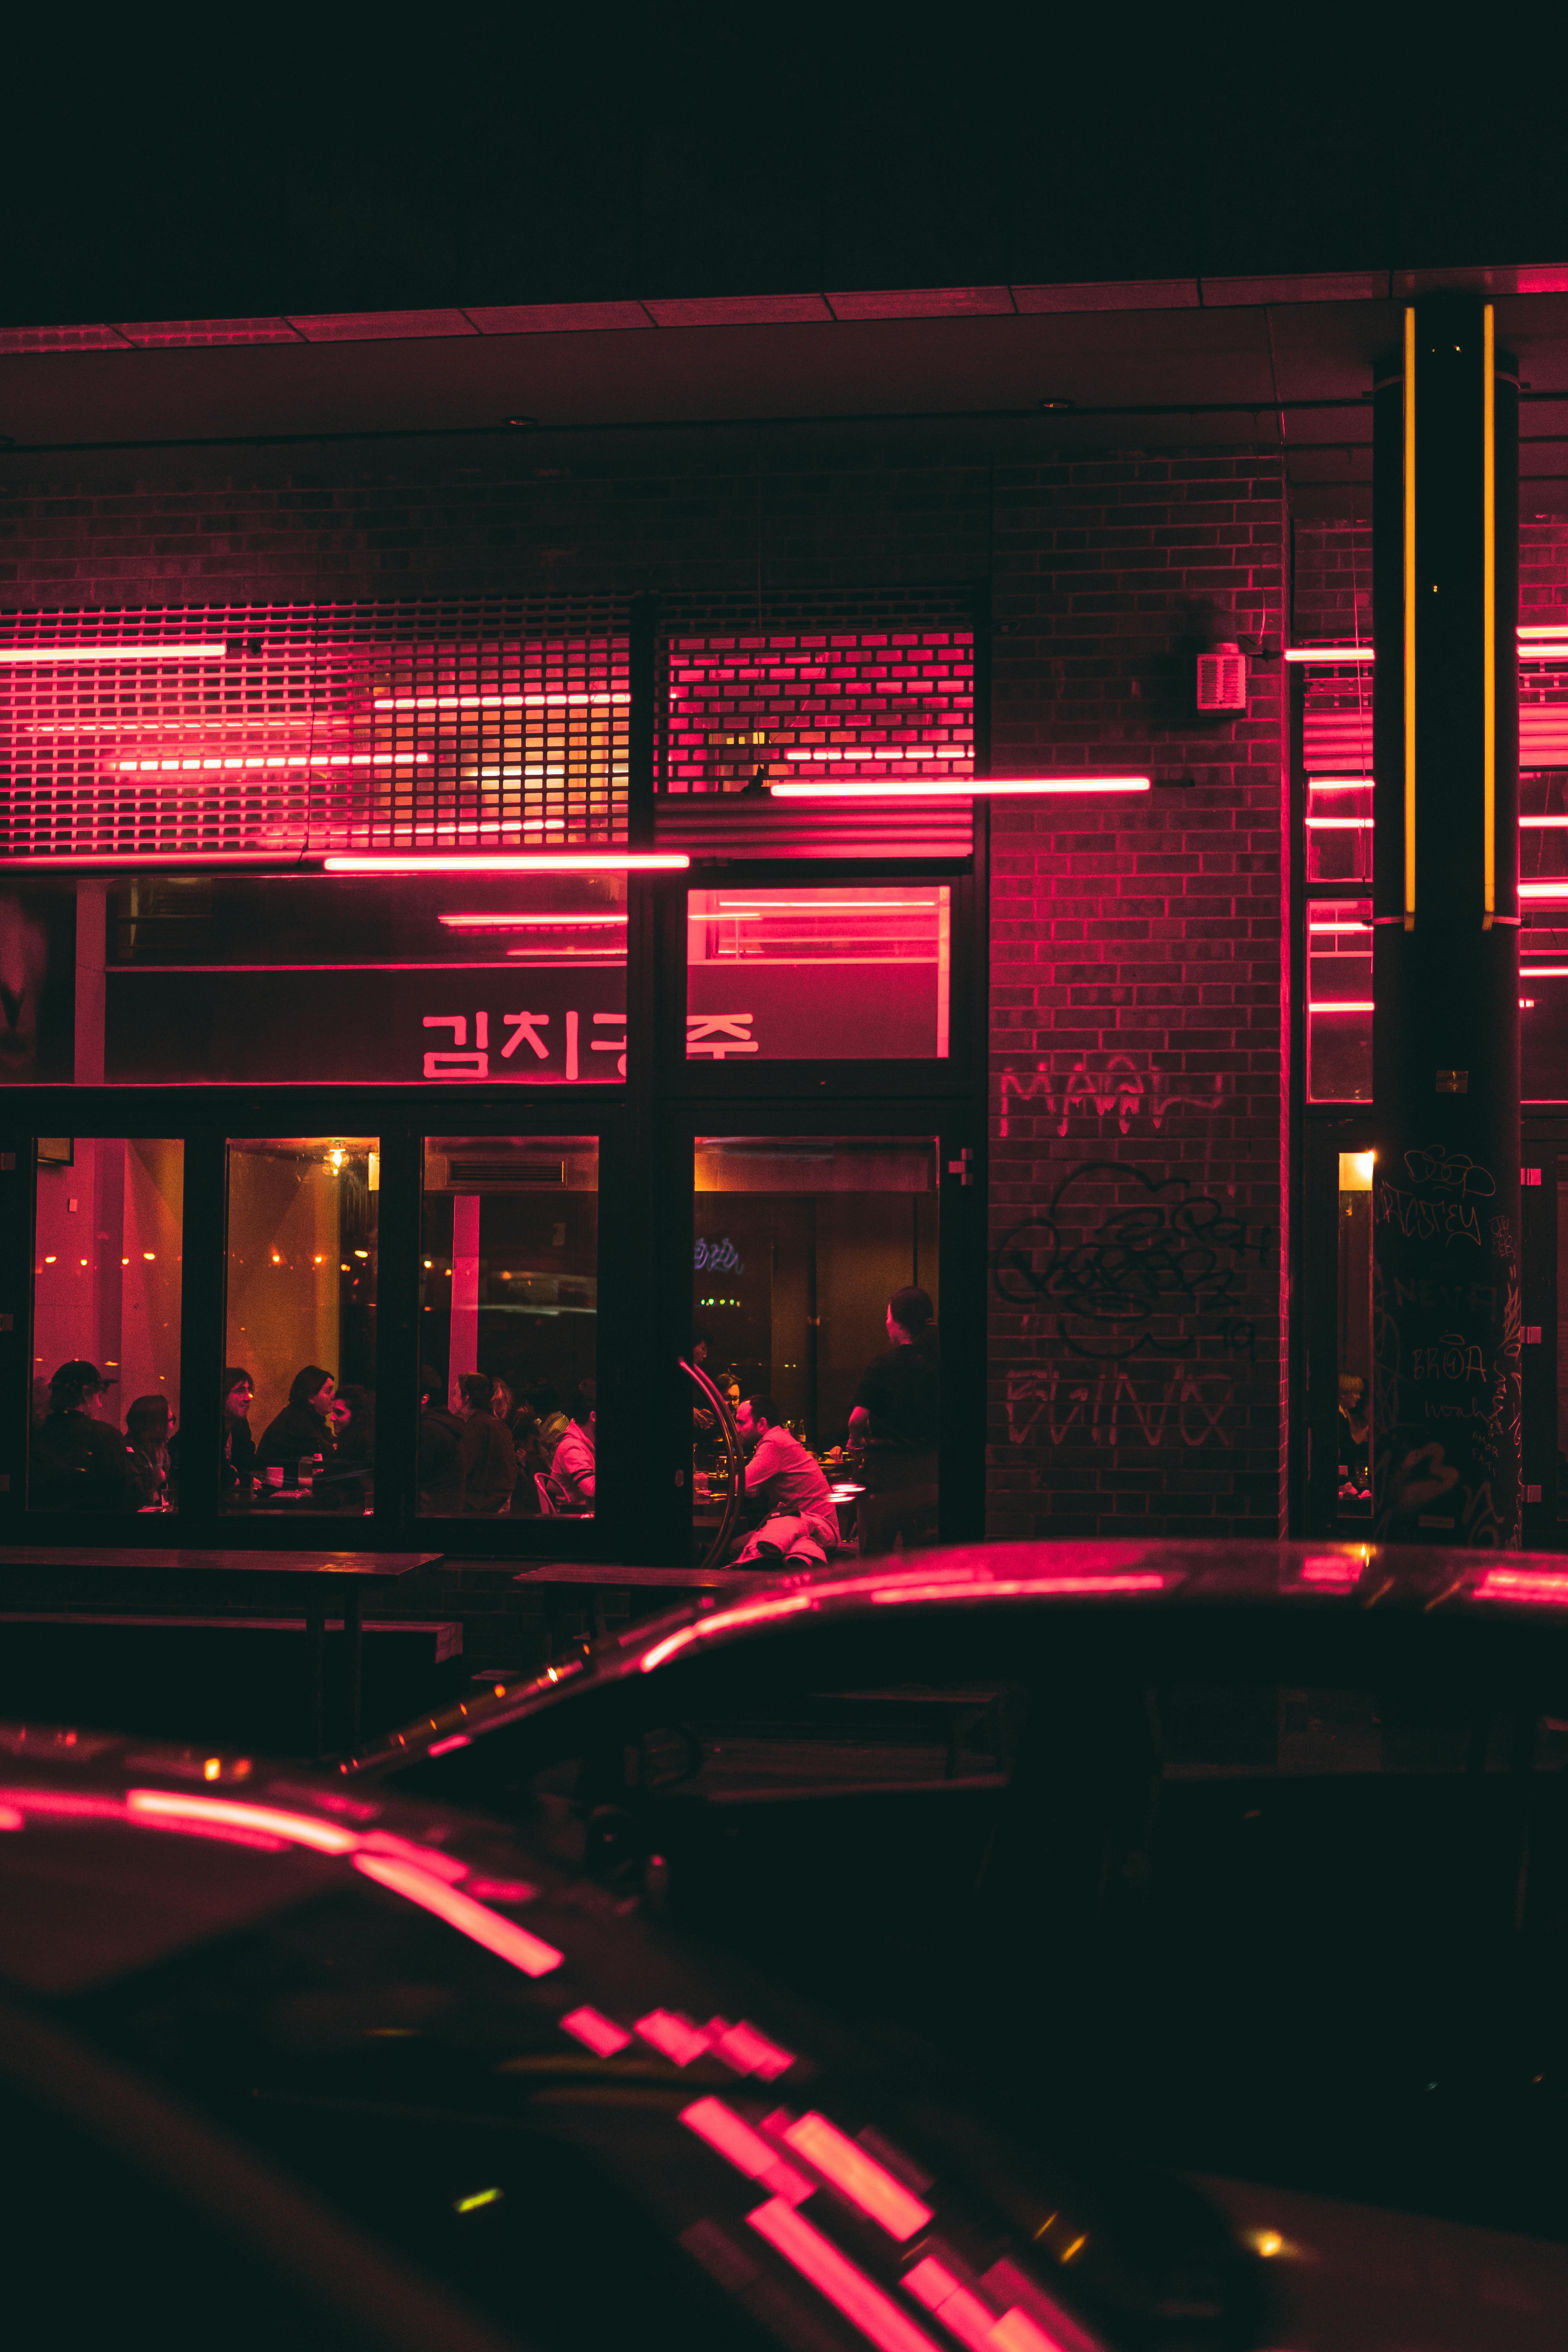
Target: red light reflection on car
{"points": [[445, 1746], [65, 1803], [997, 1588], [862, 2302], [1523, 1584], [747, 2051], [676, 2037], [747, 2150], [1333, 1568], [961, 2312], [602, 2036], [502, 1936], [165, 1806], [857, 2176]]}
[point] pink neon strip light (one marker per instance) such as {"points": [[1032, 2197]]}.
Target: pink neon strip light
{"points": [[734, 2139], [961, 2312], [1543, 889], [747, 2051], [296, 1828], [1543, 824], [857, 2176], [953, 788], [873, 755], [502, 1936], [445, 1747], [1340, 784], [112, 653], [1340, 824], [673, 2036], [490, 702], [279, 760], [1357, 1006], [833, 2274], [156, 861], [544, 861], [1329, 653], [1348, 926], [602, 2035], [1523, 1584], [529, 922], [1544, 972]]}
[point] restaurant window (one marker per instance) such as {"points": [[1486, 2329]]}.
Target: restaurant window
{"points": [[801, 1243], [299, 1380], [844, 973], [107, 1265], [398, 980], [1339, 1000], [509, 1327]]}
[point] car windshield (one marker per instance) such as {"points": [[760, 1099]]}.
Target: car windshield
{"points": [[1278, 1897]]}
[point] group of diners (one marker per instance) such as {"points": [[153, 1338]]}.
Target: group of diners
{"points": [[788, 1509], [490, 1454], [79, 1461]]}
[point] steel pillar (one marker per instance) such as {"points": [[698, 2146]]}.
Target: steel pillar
{"points": [[1446, 1276]]}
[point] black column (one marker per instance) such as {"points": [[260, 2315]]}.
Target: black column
{"points": [[1446, 956]]}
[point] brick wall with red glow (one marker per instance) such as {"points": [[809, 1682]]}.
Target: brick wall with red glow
{"points": [[1139, 1008]]}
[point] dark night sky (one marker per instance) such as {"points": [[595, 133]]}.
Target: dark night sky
{"points": [[260, 164]]}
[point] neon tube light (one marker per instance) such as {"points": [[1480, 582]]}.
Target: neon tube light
{"points": [[502, 1936], [857, 2176], [278, 760], [492, 701], [112, 653], [149, 861], [1557, 631], [1327, 654], [1348, 1007], [747, 2150], [1543, 824], [296, 1828], [951, 787], [1356, 926], [1340, 783], [506, 861], [734, 906], [1544, 972], [833, 2275], [1340, 824], [1543, 889], [532, 922]]}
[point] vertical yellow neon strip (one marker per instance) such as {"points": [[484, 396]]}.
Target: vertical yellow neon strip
{"points": [[1410, 620], [1488, 616]]}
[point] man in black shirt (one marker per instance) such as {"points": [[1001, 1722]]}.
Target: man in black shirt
{"points": [[79, 1463], [893, 1429]]}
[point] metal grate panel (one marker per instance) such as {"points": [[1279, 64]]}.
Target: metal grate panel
{"points": [[1337, 719], [241, 728]]}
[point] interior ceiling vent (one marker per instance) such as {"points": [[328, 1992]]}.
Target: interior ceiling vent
{"points": [[461, 1173]]}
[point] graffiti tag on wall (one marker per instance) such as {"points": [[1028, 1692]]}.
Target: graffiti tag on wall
{"points": [[1057, 1405], [1118, 1090]]}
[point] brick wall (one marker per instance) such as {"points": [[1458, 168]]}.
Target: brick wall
{"points": [[1138, 1000], [1140, 1103]]}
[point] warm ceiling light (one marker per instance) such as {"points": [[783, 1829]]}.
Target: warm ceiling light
{"points": [[112, 653], [504, 861], [953, 787]]}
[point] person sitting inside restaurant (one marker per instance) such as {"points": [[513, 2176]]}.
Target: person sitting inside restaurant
{"points": [[147, 1431], [440, 1450], [489, 1458], [787, 1493], [572, 1468], [238, 1438], [302, 1433], [78, 1462]]}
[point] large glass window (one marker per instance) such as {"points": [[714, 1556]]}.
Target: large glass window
{"points": [[1339, 1000], [846, 973], [298, 1382], [508, 1323], [106, 1324], [468, 979], [815, 1289]]}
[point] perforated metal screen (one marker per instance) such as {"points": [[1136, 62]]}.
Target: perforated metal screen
{"points": [[244, 729], [1337, 719]]}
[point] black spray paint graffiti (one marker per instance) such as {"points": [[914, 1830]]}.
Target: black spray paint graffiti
{"points": [[1127, 1279], [1120, 1090], [1065, 1409]]}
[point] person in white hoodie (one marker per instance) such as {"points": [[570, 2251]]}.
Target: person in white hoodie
{"points": [[573, 1466], [789, 1488]]}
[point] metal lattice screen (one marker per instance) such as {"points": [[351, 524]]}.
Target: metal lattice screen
{"points": [[206, 730], [886, 702]]}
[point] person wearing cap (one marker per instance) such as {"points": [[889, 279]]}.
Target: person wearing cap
{"points": [[78, 1462]]}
